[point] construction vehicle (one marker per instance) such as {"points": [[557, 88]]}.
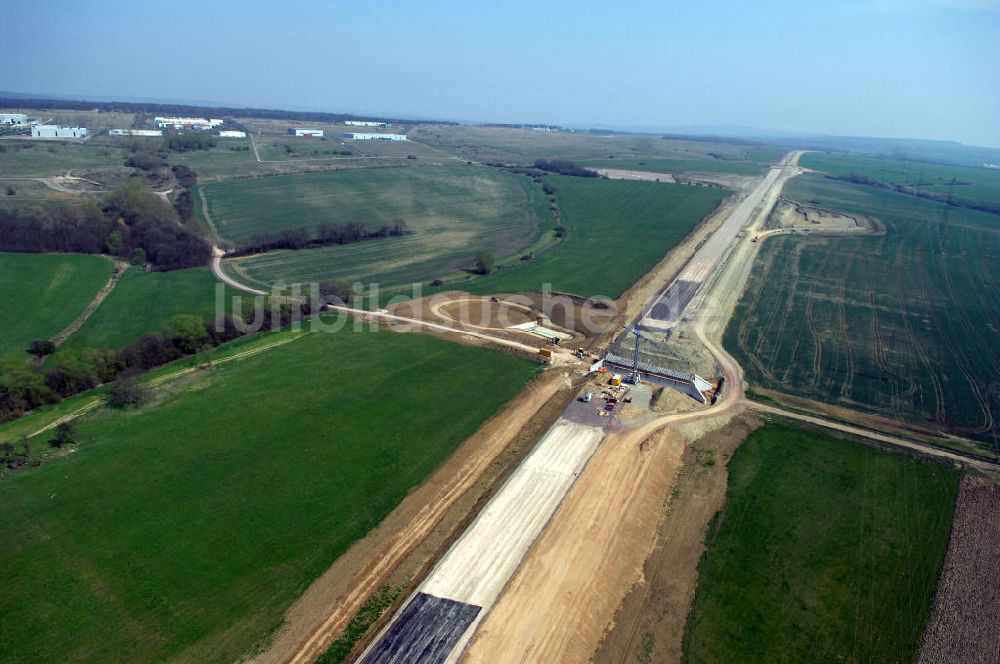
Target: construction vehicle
{"points": [[616, 379], [587, 397], [545, 352]]}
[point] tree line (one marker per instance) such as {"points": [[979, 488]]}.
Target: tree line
{"points": [[325, 234], [130, 222], [26, 385], [938, 197], [563, 167]]}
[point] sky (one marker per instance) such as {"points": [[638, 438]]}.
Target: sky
{"points": [[888, 68]]}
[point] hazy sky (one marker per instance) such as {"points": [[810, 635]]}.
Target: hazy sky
{"points": [[901, 68]]}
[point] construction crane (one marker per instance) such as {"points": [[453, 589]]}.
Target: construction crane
{"points": [[633, 378]]}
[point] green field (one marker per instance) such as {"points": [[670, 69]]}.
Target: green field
{"points": [[42, 158], [826, 551], [184, 530], [764, 155], [222, 161], [905, 325], [616, 231], [678, 165], [508, 144], [972, 185], [43, 293], [453, 212], [143, 301]]}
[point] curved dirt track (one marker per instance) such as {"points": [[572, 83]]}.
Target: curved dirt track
{"points": [[217, 255]]}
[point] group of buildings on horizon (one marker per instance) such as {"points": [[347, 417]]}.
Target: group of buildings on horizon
{"points": [[197, 124]]}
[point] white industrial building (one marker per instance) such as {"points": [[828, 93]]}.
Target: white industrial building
{"points": [[55, 131], [186, 123], [366, 123], [13, 119], [375, 137], [232, 134], [135, 132], [302, 131]]}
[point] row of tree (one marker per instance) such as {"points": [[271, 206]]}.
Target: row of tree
{"points": [[130, 222], [939, 197], [189, 141], [563, 167], [325, 234], [26, 385]]}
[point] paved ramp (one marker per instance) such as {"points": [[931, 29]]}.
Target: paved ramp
{"points": [[437, 622], [425, 632]]}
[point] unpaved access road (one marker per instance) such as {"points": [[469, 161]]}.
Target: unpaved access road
{"points": [[116, 274], [872, 435], [560, 356], [217, 255]]}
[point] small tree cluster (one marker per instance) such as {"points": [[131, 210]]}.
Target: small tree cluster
{"points": [[485, 262], [127, 391], [65, 435]]}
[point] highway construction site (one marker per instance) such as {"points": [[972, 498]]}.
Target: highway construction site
{"points": [[450, 611], [559, 539]]}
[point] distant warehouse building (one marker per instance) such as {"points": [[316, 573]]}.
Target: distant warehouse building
{"points": [[375, 137], [232, 134], [135, 132], [55, 131], [186, 123], [13, 119], [366, 123], [302, 131]]}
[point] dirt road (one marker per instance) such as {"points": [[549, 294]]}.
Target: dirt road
{"points": [[217, 255], [649, 624], [871, 435], [560, 356], [120, 267]]}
